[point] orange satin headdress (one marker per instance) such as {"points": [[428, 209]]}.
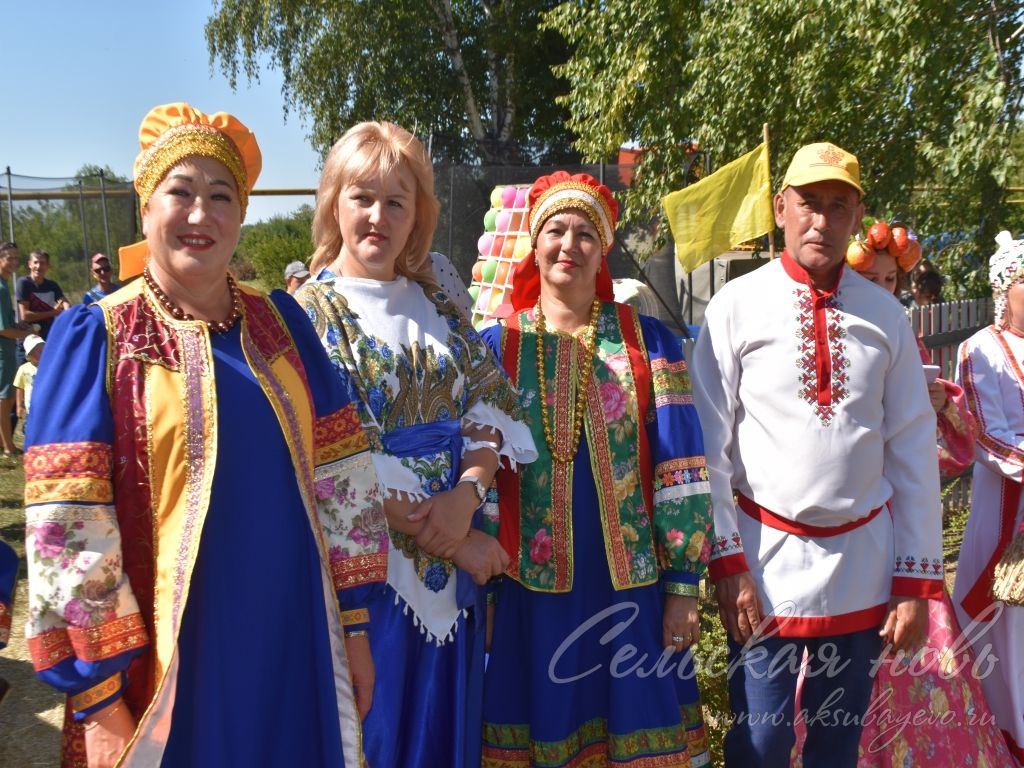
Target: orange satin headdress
{"points": [[172, 132], [552, 194]]}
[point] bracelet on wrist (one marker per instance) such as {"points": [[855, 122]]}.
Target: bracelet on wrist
{"points": [[682, 590]]}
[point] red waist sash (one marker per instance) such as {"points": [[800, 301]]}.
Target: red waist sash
{"points": [[779, 523]]}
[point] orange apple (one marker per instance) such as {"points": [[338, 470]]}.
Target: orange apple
{"points": [[899, 237], [860, 255], [878, 235]]}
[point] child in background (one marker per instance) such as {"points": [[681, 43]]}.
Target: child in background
{"points": [[26, 375]]}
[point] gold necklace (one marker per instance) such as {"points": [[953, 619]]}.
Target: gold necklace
{"points": [[576, 425]]}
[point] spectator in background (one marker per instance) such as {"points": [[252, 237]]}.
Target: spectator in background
{"points": [[295, 274], [40, 299], [27, 374], [926, 288], [9, 332], [932, 286], [105, 285], [924, 265]]}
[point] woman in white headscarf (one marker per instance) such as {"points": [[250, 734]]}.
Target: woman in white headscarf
{"points": [[990, 373]]}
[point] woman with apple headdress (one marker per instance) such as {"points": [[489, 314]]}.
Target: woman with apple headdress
{"points": [[885, 257], [180, 590], [609, 530]]}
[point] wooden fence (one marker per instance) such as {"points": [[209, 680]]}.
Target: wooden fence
{"points": [[943, 326]]}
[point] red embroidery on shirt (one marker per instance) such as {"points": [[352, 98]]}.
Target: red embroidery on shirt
{"points": [[824, 366]]}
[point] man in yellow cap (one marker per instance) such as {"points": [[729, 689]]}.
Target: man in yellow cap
{"points": [[816, 414]]}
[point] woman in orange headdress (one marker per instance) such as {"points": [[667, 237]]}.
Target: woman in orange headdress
{"points": [[886, 262], [180, 585], [609, 530]]}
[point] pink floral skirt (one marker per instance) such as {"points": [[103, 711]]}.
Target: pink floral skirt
{"points": [[929, 710]]}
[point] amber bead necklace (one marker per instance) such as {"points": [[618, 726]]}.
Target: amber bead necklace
{"points": [[216, 326], [589, 347]]}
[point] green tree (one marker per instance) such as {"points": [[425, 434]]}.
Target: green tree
{"points": [[927, 93], [474, 76], [271, 244]]}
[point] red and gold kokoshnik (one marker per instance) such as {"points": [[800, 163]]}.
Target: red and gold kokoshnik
{"points": [[575, 195]]}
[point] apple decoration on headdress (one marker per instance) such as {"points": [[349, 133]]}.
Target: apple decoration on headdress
{"points": [[898, 240]]}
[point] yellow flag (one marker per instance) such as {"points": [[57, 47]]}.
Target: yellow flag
{"points": [[729, 207]]}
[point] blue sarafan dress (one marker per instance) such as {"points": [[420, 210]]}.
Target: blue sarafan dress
{"points": [[178, 552], [421, 375], [578, 675]]}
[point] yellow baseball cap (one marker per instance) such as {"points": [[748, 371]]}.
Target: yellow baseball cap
{"points": [[823, 162]]}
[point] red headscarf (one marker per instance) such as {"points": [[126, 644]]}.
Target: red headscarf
{"points": [[559, 192]]}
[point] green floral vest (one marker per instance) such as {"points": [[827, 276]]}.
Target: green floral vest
{"points": [[539, 495]]}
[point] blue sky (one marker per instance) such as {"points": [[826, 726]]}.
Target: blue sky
{"points": [[79, 76]]}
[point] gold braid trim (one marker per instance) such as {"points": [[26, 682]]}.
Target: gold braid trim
{"points": [[355, 616], [548, 207], [96, 694], [189, 140]]}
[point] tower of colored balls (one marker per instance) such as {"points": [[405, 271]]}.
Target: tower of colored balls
{"points": [[505, 242]]}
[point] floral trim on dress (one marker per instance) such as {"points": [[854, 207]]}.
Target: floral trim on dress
{"points": [[109, 639], [80, 601], [353, 520], [136, 331], [675, 482], [96, 694], [78, 472], [681, 745], [339, 435], [671, 382]]}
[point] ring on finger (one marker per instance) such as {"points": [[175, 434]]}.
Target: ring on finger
{"points": [[677, 639]]}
